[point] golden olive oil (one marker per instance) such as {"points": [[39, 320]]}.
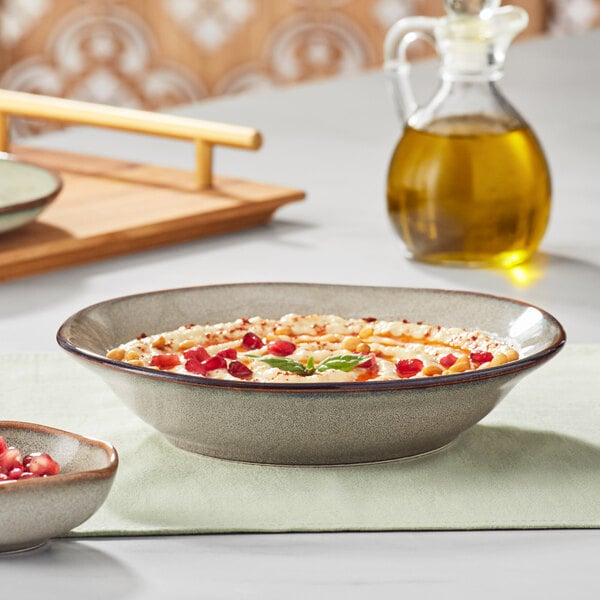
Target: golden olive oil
{"points": [[469, 190]]}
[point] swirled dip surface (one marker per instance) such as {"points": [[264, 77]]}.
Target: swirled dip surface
{"points": [[316, 348]]}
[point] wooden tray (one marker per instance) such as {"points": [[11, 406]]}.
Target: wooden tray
{"points": [[109, 208]]}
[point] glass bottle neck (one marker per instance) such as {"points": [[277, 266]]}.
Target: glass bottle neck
{"points": [[480, 73], [467, 100]]}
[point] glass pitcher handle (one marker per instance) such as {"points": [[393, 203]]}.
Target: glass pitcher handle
{"points": [[396, 63]]}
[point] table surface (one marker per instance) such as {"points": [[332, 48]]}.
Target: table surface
{"points": [[334, 140]]}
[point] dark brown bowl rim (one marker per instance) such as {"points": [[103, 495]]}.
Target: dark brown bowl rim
{"points": [[61, 478], [512, 368], [36, 202]]}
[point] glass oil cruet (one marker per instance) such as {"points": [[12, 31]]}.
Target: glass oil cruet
{"points": [[468, 183]]}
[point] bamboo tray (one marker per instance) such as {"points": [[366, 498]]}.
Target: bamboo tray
{"points": [[109, 208]]}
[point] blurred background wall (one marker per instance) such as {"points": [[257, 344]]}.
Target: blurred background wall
{"points": [[158, 53]]}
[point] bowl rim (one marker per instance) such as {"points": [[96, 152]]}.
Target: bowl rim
{"points": [[36, 202], [511, 368], [62, 478]]}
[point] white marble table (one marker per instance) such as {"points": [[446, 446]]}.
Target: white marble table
{"points": [[334, 140]]}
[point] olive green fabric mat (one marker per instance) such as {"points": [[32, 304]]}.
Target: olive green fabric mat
{"points": [[533, 463]]}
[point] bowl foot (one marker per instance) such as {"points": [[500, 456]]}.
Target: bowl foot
{"points": [[184, 445], [5, 550]]}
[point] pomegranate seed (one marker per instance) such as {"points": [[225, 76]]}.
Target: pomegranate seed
{"points": [[481, 357], [212, 363], [15, 473], [238, 369], [33, 465], [198, 353], [10, 459], [230, 353], [370, 368], [408, 367], [215, 362], [3, 445], [195, 366], [370, 362], [252, 341], [448, 360], [42, 463], [281, 347], [164, 361]]}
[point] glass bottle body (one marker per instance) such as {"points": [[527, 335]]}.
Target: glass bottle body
{"points": [[468, 183]]}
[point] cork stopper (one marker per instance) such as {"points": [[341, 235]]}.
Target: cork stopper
{"points": [[474, 37]]}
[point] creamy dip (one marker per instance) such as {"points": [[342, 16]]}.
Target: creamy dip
{"points": [[316, 348]]}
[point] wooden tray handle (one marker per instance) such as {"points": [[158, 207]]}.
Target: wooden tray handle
{"points": [[205, 134]]}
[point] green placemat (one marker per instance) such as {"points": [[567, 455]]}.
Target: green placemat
{"points": [[533, 463]]}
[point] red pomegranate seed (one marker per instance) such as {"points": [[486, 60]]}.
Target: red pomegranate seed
{"points": [[252, 341], [164, 361], [15, 473], [448, 360], [35, 464], [238, 369], [215, 362], [408, 367], [230, 353], [41, 463], [281, 347], [195, 366], [198, 353], [370, 368], [481, 357], [370, 362], [10, 459]]}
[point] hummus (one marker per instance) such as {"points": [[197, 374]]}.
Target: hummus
{"points": [[316, 348]]}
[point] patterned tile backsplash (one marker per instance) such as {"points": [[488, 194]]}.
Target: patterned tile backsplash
{"points": [[166, 52]]}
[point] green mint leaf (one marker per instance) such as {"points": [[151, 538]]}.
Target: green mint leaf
{"points": [[287, 364], [342, 362]]}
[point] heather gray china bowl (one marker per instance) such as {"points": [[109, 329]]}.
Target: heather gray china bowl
{"points": [[308, 423], [38, 509], [25, 191]]}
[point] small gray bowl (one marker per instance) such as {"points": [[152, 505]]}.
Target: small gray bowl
{"points": [[309, 423], [25, 191], [37, 509]]}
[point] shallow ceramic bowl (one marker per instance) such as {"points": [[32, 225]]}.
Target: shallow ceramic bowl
{"points": [[309, 423], [25, 191], [37, 509]]}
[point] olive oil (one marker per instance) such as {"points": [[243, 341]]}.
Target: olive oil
{"points": [[470, 190]]}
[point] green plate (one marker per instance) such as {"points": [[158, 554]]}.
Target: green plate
{"points": [[25, 190]]}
